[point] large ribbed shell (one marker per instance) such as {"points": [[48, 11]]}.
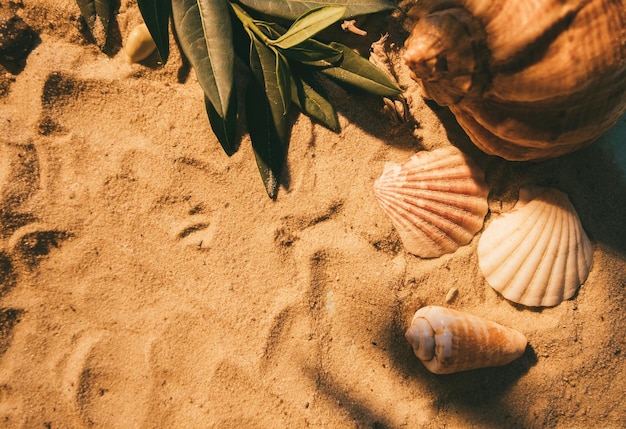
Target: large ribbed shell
{"points": [[436, 200], [538, 253], [526, 79], [448, 341]]}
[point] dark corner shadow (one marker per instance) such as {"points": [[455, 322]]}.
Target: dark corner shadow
{"points": [[596, 186], [477, 393]]}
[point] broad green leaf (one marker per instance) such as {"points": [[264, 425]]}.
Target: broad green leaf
{"points": [[312, 51], [263, 65], [309, 24], [204, 31], [156, 15], [313, 103], [224, 128], [97, 14], [269, 148], [361, 73], [292, 9]]}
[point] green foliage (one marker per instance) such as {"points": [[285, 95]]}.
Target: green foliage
{"points": [[285, 65]]}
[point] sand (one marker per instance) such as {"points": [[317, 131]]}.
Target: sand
{"points": [[148, 281]]}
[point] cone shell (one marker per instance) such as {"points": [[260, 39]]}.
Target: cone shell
{"points": [[526, 79], [436, 200], [538, 253], [139, 44], [448, 341]]}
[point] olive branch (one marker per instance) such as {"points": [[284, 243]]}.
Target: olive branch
{"points": [[286, 64]]}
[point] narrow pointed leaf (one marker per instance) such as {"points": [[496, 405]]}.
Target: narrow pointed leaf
{"points": [[314, 104], [283, 80], [224, 128], [268, 146], [263, 66], [205, 35], [97, 14], [361, 73], [309, 24], [292, 9], [311, 51], [156, 15]]}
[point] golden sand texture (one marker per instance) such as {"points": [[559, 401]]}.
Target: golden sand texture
{"points": [[148, 281]]}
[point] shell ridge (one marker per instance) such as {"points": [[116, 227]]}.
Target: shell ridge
{"points": [[544, 257], [436, 200], [421, 234], [542, 287], [497, 231], [554, 293], [530, 253]]}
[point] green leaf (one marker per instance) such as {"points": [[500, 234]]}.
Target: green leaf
{"points": [[156, 15], [283, 80], [311, 51], [313, 103], [263, 66], [309, 24], [292, 9], [224, 128], [97, 14], [269, 147], [205, 35], [361, 73]]}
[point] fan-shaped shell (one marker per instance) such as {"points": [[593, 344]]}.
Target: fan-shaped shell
{"points": [[537, 254], [526, 79], [448, 341], [436, 200]]}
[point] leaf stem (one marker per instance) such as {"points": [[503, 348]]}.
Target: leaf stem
{"points": [[249, 23]]}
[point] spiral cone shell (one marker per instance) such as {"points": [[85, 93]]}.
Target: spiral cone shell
{"points": [[448, 341], [436, 200], [538, 253], [526, 79]]}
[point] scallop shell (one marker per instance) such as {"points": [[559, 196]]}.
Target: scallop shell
{"points": [[526, 79], [448, 341], [139, 44], [436, 200], [537, 254]]}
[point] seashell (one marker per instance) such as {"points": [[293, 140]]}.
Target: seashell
{"points": [[526, 79], [537, 254], [139, 44], [448, 341], [436, 200]]}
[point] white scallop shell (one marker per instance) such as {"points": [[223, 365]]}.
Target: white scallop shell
{"points": [[437, 200], [538, 253], [448, 341]]}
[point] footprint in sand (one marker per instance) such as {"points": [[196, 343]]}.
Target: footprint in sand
{"points": [[24, 240], [341, 323], [106, 371]]}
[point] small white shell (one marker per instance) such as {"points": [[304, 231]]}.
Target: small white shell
{"points": [[538, 253], [139, 44], [448, 341], [436, 200]]}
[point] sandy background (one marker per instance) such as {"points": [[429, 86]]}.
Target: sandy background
{"points": [[148, 281]]}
